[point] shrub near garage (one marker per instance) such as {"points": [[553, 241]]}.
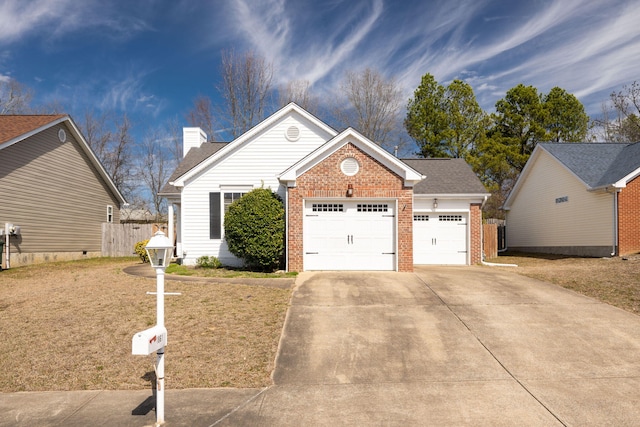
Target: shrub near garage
{"points": [[254, 229]]}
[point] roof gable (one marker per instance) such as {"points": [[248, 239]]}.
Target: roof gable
{"points": [[406, 172], [201, 163], [17, 128], [595, 165]]}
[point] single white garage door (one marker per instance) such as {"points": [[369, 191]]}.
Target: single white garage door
{"points": [[440, 238], [349, 235]]}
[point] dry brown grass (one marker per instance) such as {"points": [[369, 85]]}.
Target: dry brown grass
{"points": [[615, 281], [68, 326]]}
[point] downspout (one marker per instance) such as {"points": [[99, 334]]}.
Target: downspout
{"points": [[614, 249], [286, 234]]}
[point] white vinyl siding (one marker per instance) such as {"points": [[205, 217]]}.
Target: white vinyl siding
{"points": [[535, 219], [256, 164]]}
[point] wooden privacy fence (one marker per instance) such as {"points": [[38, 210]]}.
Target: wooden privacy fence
{"points": [[120, 239], [493, 237], [490, 240]]}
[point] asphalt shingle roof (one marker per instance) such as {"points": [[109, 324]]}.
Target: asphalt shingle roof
{"points": [[12, 126], [597, 164], [445, 176], [194, 157]]}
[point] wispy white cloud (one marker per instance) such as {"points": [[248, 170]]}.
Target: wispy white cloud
{"points": [[56, 18], [584, 46]]}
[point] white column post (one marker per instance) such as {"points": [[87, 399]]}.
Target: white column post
{"points": [[170, 224], [179, 253]]}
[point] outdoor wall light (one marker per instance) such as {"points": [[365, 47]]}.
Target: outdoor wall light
{"points": [[350, 190], [435, 203]]}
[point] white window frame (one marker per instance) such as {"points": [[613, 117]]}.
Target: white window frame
{"points": [[109, 214]]}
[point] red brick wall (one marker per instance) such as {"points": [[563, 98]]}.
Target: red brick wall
{"points": [[475, 220], [629, 218], [373, 180]]}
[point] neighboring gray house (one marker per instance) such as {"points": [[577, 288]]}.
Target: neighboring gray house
{"points": [[54, 188], [350, 205], [577, 199]]}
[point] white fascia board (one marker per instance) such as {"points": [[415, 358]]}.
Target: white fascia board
{"points": [[237, 143], [350, 135], [471, 197]]}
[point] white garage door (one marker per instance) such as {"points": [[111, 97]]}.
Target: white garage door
{"points": [[440, 238], [343, 235]]}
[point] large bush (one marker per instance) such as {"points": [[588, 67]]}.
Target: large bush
{"points": [[254, 229]]}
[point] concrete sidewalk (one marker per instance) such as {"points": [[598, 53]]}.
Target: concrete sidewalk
{"points": [[442, 346]]}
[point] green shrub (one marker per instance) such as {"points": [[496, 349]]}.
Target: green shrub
{"points": [[254, 229], [140, 250], [206, 261]]}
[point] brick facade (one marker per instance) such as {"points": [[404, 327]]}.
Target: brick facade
{"points": [[475, 245], [373, 181], [629, 218]]}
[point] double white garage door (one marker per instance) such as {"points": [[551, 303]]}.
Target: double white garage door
{"points": [[361, 235]]}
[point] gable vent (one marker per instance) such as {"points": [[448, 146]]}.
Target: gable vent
{"points": [[350, 166], [293, 133]]}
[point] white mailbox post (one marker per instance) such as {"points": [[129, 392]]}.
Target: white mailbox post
{"points": [[155, 338]]}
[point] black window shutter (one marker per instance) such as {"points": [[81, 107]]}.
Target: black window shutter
{"points": [[215, 225]]}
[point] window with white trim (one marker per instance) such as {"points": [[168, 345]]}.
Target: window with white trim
{"points": [[218, 205], [420, 217], [109, 213]]}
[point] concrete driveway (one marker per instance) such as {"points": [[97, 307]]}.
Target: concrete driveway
{"points": [[449, 346], [443, 346]]}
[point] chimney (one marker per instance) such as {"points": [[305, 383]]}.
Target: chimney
{"points": [[192, 137]]}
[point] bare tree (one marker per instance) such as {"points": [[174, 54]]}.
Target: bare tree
{"points": [[202, 116], [155, 166], [298, 91], [245, 87], [373, 105], [626, 103], [14, 97], [111, 141]]}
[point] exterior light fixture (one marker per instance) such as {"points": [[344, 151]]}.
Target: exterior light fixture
{"points": [[350, 190], [154, 339], [435, 203], [159, 250]]}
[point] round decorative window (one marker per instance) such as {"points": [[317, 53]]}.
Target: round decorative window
{"points": [[293, 133], [350, 166], [62, 135]]}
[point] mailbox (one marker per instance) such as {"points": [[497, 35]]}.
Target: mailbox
{"points": [[149, 341]]}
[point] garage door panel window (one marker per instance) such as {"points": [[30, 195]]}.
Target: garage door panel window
{"points": [[327, 207], [421, 217], [373, 207], [451, 218]]}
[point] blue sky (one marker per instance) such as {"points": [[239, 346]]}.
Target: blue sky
{"points": [[151, 58]]}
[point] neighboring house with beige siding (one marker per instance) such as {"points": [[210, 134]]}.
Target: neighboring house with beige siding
{"points": [[577, 199], [54, 188]]}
